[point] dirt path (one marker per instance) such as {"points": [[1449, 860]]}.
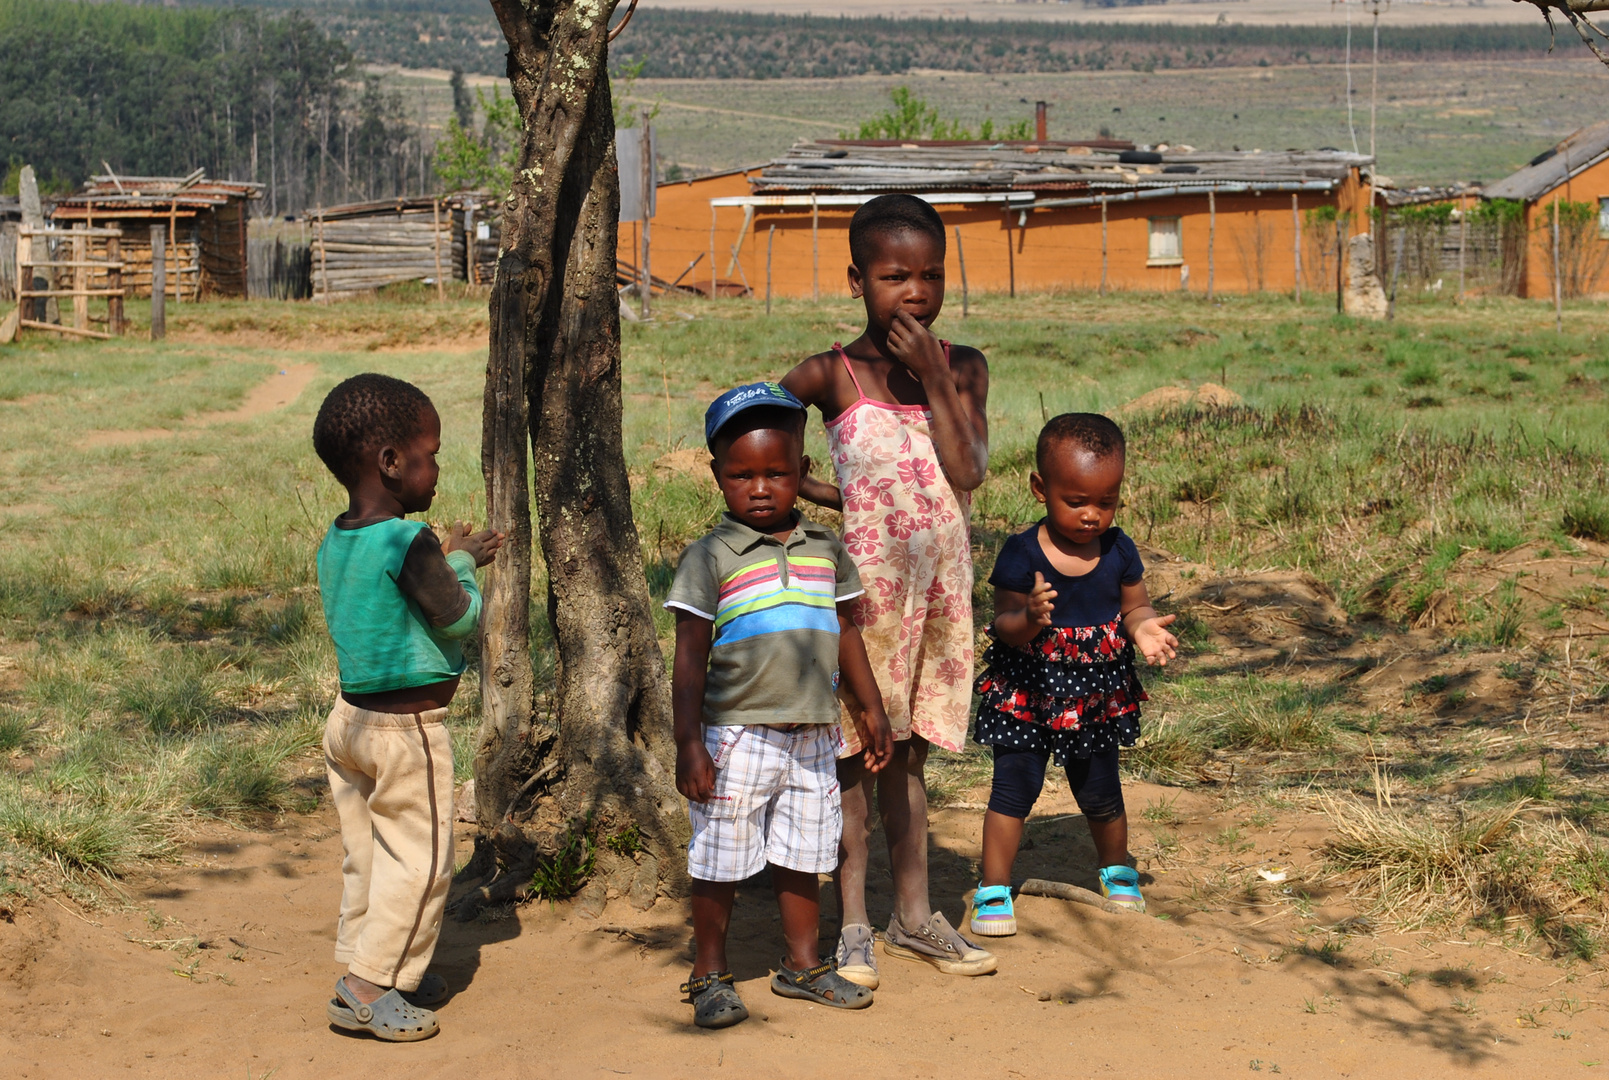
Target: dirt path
{"points": [[546, 992], [273, 393]]}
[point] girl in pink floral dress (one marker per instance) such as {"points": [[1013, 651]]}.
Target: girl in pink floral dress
{"points": [[909, 442]]}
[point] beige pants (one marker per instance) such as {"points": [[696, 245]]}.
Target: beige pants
{"points": [[391, 779]]}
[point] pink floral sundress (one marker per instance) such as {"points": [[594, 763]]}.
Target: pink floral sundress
{"points": [[909, 533]]}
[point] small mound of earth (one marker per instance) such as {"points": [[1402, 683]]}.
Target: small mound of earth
{"points": [[1166, 399], [693, 461]]}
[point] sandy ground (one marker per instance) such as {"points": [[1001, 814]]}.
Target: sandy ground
{"points": [[545, 991]]}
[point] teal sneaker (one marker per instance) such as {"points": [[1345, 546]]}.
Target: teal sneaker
{"points": [[1121, 885], [991, 912]]}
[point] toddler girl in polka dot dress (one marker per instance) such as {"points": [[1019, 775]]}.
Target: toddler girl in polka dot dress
{"points": [[1070, 610]]}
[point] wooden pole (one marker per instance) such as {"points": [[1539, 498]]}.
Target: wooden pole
{"points": [[159, 282], [647, 209], [1296, 228], [1011, 257], [435, 232], [1340, 298], [1558, 285], [471, 272], [1212, 239], [324, 265], [815, 250], [114, 281], [1463, 232], [961, 255], [1103, 246], [80, 279], [713, 293], [173, 248], [770, 241], [1396, 268]]}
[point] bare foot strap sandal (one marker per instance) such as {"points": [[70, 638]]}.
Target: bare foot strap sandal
{"points": [[715, 1000], [389, 1017], [432, 990], [820, 984]]}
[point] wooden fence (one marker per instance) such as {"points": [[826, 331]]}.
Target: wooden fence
{"points": [[73, 270]]}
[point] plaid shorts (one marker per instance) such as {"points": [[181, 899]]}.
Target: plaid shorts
{"points": [[775, 801]]}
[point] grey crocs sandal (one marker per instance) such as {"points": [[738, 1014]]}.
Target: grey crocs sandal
{"points": [[432, 990], [715, 1000], [820, 984], [390, 1017]]}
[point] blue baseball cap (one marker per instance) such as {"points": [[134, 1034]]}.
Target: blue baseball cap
{"points": [[735, 400]]}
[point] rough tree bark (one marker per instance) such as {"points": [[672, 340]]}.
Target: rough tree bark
{"points": [[599, 751]]}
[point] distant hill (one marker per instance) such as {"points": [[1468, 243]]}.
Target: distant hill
{"points": [[736, 45]]}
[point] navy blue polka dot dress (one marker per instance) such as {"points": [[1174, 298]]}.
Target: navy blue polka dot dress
{"points": [[1072, 690]]}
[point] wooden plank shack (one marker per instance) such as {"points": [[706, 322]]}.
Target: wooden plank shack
{"points": [[364, 246], [1033, 216], [206, 221]]}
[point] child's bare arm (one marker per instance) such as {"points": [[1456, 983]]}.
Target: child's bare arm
{"points": [[1147, 629], [695, 772], [957, 393], [1018, 617], [875, 735], [813, 383]]}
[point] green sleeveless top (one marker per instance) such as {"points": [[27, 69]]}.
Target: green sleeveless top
{"points": [[392, 606]]}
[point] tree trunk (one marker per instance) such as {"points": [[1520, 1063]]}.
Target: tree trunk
{"points": [[599, 757]]}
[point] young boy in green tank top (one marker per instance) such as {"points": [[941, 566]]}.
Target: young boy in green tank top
{"points": [[398, 604]]}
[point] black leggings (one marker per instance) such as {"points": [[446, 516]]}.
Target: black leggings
{"points": [[1019, 777]]}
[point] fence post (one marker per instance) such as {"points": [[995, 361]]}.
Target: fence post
{"points": [[114, 284], [1558, 285], [647, 208], [1011, 257], [1463, 231], [1212, 237], [435, 227], [1396, 268], [712, 251], [80, 278], [770, 241], [815, 250], [1340, 297], [1103, 246], [960, 253], [159, 282], [1296, 226]]}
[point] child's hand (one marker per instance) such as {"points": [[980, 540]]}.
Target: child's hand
{"points": [[915, 346], [482, 545], [695, 771], [1041, 601], [877, 740], [1154, 641]]}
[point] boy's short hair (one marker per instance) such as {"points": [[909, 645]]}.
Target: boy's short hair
{"points": [[363, 413], [757, 418], [889, 214], [1090, 432]]}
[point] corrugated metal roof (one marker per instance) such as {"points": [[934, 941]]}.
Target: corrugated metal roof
{"points": [[110, 193], [1581, 150], [839, 166]]}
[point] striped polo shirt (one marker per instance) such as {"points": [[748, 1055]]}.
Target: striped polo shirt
{"points": [[774, 603]]}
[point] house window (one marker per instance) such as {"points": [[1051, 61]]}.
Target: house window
{"points": [[1165, 250], [1603, 218]]}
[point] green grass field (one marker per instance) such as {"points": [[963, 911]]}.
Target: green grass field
{"points": [[162, 654]]}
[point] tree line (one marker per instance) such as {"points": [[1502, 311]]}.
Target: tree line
{"points": [[247, 94], [716, 44]]}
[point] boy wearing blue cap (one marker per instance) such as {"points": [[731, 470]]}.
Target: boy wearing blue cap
{"points": [[763, 636]]}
